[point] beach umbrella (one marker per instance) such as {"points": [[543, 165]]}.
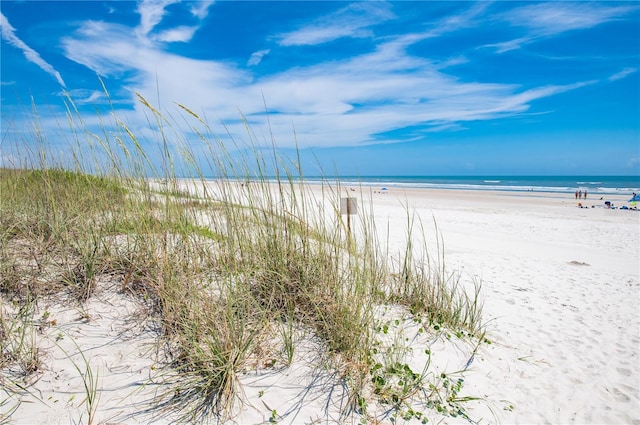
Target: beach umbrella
{"points": [[636, 198]]}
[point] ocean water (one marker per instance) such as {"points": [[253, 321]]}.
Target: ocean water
{"points": [[556, 184]]}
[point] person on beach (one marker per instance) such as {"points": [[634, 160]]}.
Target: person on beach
{"points": [[585, 194], [576, 194], [579, 194]]}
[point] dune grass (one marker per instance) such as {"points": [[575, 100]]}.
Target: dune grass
{"points": [[226, 269]]}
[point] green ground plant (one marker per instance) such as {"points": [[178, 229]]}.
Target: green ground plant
{"points": [[90, 383]]}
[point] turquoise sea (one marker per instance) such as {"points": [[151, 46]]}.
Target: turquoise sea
{"points": [[558, 184]]}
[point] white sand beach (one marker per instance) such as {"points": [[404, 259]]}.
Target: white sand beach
{"points": [[561, 288], [561, 292]]}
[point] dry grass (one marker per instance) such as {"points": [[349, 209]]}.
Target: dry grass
{"points": [[216, 270]]}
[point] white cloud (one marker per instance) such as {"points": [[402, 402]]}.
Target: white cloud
{"points": [[82, 97], [151, 14], [109, 50], [341, 103], [200, 8], [547, 19], [465, 19], [507, 46], [8, 35], [323, 100], [181, 33], [105, 48], [350, 21], [623, 74], [256, 57]]}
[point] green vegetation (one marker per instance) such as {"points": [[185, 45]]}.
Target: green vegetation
{"points": [[227, 273]]}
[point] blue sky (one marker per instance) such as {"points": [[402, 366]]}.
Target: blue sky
{"points": [[365, 88]]}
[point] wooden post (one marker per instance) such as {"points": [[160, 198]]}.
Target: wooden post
{"points": [[348, 215]]}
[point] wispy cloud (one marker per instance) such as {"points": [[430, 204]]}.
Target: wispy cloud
{"points": [[113, 52], [509, 45], [321, 100], [547, 19], [181, 33], [108, 50], [256, 57], [465, 19], [352, 21], [152, 12], [623, 74], [200, 9], [84, 97], [366, 98], [9, 36]]}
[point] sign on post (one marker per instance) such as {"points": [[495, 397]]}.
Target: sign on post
{"points": [[348, 206]]}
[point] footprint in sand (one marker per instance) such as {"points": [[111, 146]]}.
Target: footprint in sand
{"points": [[620, 396], [578, 263], [623, 371]]}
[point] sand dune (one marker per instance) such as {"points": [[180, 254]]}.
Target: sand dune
{"points": [[561, 290]]}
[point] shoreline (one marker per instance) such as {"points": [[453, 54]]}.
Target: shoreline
{"points": [[594, 198], [525, 198], [611, 185]]}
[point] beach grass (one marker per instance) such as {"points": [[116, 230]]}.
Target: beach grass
{"points": [[228, 269]]}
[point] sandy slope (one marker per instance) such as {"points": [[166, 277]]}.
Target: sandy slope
{"points": [[561, 289], [562, 298]]}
